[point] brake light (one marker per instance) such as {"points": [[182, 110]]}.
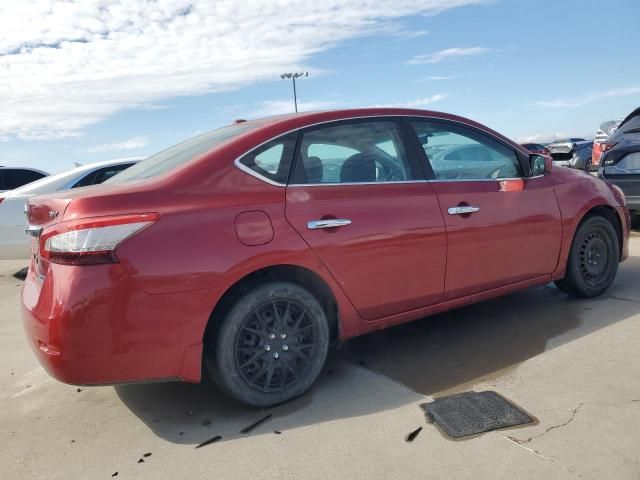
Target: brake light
{"points": [[606, 146], [91, 241]]}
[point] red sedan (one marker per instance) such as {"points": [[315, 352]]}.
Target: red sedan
{"points": [[242, 253]]}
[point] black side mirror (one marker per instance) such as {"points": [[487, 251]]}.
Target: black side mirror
{"points": [[540, 164]]}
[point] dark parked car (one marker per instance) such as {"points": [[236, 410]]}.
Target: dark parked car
{"points": [[242, 253], [15, 177], [620, 163], [537, 148]]}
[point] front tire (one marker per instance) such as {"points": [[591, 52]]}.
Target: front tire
{"points": [[593, 259], [271, 346]]}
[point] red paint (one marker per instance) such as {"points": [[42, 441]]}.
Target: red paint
{"points": [[254, 228], [403, 257]]}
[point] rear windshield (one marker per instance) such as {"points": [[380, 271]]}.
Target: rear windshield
{"points": [[180, 154]]}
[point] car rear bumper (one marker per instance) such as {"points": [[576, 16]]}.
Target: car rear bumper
{"points": [[92, 325]]}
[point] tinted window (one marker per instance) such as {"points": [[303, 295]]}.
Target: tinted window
{"points": [[100, 175], [181, 153], [273, 159], [461, 153], [14, 178], [358, 152]]}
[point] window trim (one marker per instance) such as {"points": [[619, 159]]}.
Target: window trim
{"points": [[238, 161], [402, 123], [524, 163]]}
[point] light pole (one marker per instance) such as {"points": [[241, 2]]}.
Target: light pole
{"points": [[293, 77]]}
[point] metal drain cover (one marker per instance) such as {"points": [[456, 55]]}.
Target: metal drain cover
{"points": [[469, 413]]}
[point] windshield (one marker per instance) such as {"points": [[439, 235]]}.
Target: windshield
{"points": [[180, 154]]}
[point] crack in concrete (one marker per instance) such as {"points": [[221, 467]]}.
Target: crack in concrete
{"points": [[543, 457], [564, 424], [552, 427], [574, 412]]}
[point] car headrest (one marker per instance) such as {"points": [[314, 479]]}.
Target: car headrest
{"points": [[360, 167], [314, 170]]}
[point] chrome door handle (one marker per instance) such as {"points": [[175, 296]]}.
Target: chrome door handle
{"points": [[462, 210], [329, 223]]}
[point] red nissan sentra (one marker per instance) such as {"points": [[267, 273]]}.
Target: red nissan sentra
{"points": [[242, 253]]}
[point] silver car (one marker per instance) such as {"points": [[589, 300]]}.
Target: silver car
{"points": [[572, 152]]}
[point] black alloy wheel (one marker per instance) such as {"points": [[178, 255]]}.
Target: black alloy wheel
{"points": [[275, 345], [270, 346]]}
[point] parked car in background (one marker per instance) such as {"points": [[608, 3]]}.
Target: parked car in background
{"points": [[242, 253], [572, 152], [14, 242], [605, 130], [620, 163], [16, 177], [536, 148]]}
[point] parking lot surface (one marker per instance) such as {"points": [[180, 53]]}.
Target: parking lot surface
{"points": [[572, 364]]}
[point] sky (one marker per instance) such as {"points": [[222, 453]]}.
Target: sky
{"points": [[90, 80]]}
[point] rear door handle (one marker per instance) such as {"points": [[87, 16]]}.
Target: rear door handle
{"points": [[463, 210], [328, 223]]}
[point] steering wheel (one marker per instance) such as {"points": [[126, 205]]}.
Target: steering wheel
{"points": [[388, 170]]}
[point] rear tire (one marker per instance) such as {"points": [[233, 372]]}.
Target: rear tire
{"points": [[593, 259], [271, 345]]}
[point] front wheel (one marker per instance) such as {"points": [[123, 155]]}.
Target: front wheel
{"points": [[593, 259], [271, 346]]}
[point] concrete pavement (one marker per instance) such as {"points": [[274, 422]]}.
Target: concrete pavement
{"points": [[573, 364]]}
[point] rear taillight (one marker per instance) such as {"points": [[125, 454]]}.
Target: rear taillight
{"points": [[90, 241], [606, 146]]}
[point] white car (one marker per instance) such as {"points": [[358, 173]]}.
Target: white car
{"points": [[14, 242]]}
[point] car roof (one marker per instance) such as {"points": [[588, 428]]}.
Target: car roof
{"points": [[16, 167], [295, 121], [633, 114]]}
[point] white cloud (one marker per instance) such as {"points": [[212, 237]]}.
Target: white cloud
{"points": [[438, 78], [575, 102], [66, 65], [435, 78], [441, 55], [417, 103], [131, 144]]}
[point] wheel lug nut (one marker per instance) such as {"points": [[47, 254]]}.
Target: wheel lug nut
{"points": [[267, 347], [272, 336], [276, 355], [283, 336], [285, 348]]}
